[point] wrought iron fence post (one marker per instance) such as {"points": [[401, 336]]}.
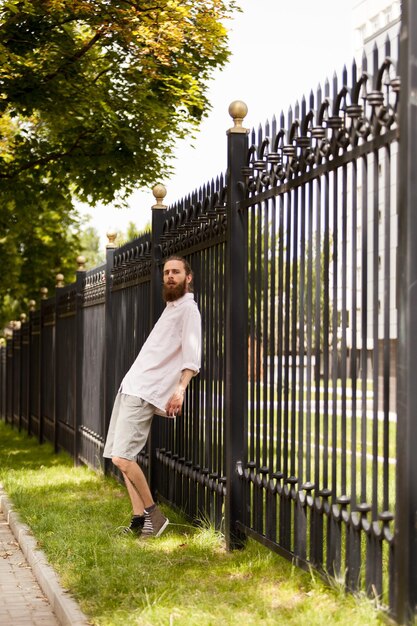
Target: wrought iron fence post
{"points": [[32, 369], [406, 520], [236, 326], [79, 339], [158, 216], [20, 340], [109, 347], [44, 295], [58, 288], [25, 385]]}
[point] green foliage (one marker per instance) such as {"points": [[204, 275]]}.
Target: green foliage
{"points": [[95, 94], [38, 239], [90, 247], [93, 97], [132, 232]]}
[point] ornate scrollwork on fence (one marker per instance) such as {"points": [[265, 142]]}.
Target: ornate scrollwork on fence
{"points": [[94, 287], [327, 131], [197, 221], [132, 263]]}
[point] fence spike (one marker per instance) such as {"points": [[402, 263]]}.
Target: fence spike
{"points": [[297, 110], [387, 47], [364, 62], [344, 76], [354, 73], [311, 100]]}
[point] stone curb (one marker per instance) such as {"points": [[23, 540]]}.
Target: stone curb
{"points": [[66, 609]]}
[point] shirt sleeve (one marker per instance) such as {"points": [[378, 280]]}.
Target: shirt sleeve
{"points": [[191, 340]]}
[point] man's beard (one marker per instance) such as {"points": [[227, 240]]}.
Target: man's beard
{"points": [[171, 293]]}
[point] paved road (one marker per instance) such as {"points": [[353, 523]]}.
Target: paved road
{"points": [[22, 602]]}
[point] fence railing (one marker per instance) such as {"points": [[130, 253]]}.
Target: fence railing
{"points": [[289, 434]]}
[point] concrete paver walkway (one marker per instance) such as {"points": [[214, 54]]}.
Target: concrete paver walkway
{"points": [[22, 602], [30, 590]]}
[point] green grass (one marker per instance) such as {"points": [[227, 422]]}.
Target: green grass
{"points": [[185, 578]]}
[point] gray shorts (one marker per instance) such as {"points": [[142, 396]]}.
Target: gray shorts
{"points": [[129, 427]]}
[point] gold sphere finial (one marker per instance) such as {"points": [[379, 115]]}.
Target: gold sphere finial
{"points": [[159, 191], [81, 261], [23, 317], [238, 111], [32, 305], [59, 280], [44, 292], [111, 236]]}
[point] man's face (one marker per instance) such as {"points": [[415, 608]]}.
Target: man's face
{"points": [[175, 280]]}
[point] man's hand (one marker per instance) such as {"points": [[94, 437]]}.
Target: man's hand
{"points": [[174, 404]]}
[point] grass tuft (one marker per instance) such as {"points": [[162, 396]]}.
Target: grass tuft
{"points": [[184, 578]]}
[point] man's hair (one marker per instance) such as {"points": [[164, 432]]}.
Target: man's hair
{"points": [[187, 268]]}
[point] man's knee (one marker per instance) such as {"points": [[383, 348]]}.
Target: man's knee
{"points": [[121, 464]]}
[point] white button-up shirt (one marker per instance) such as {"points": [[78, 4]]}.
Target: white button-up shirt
{"points": [[173, 345]]}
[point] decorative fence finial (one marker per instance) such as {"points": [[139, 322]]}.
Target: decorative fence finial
{"points": [[32, 305], [44, 292], [59, 280], [81, 261], [238, 111], [23, 317], [111, 236], [159, 191]]}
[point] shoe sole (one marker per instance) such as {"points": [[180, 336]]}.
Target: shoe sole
{"points": [[161, 530]]}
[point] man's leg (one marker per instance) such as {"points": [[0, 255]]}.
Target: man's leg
{"points": [[137, 486], [136, 500], [155, 521]]}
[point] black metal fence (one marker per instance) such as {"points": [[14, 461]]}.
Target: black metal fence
{"points": [[289, 434]]}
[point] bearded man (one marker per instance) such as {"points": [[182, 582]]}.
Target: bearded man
{"points": [[155, 383]]}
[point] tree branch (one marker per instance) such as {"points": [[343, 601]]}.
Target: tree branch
{"points": [[75, 57], [54, 156]]}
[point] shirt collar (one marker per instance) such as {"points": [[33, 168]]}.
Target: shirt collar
{"points": [[184, 298]]}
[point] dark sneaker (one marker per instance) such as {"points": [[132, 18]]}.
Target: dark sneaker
{"points": [[155, 524], [135, 526]]}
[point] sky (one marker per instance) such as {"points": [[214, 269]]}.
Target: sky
{"points": [[280, 51]]}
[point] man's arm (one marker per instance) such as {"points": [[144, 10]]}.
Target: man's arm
{"points": [[174, 404]]}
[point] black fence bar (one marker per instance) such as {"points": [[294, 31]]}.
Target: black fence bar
{"points": [[35, 369], [406, 551], [48, 374], [288, 435]]}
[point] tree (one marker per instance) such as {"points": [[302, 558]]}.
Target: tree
{"points": [[96, 93], [90, 247], [41, 241], [132, 232], [93, 96]]}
